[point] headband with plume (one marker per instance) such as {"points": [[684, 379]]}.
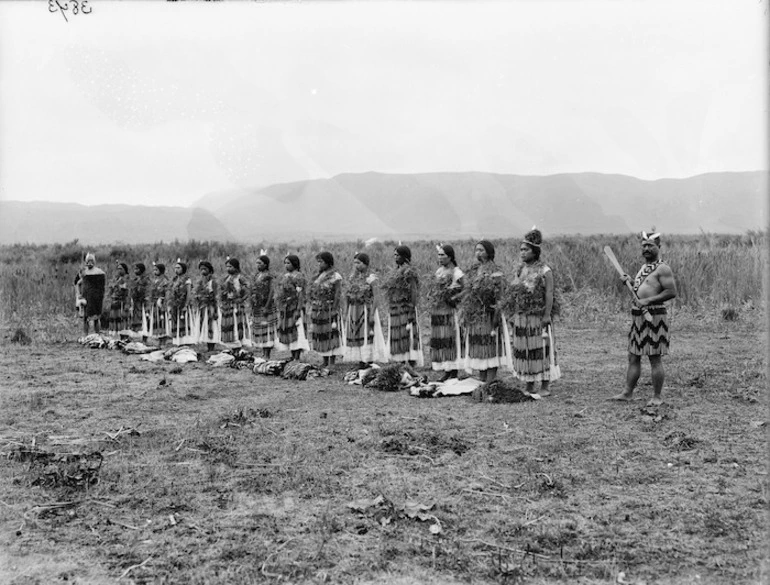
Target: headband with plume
{"points": [[90, 256], [182, 265], [653, 237]]}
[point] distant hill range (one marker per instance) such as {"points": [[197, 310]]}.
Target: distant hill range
{"points": [[428, 205]]}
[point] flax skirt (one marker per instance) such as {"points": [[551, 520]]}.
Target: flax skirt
{"points": [[533, 356]]}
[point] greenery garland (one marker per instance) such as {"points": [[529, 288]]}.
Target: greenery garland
{"points": [[359, 290], [228, 292], [139, 289], [484, 286], [158, 288], [399, 282], [519, 298], [205, 295], [323, 289], [260, 289], [118, 289], [441, 293], [286, 293], [178, 296]]}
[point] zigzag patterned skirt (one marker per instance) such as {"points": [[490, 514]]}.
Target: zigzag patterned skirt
{"points": [[649, 338]]}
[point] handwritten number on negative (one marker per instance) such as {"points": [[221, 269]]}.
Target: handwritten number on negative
{"points": [[78, 6]]}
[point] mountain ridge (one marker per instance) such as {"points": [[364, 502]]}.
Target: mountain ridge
{"points": [[412, 206]]}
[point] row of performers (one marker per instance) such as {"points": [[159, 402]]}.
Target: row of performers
{"points": [[479, 321]]}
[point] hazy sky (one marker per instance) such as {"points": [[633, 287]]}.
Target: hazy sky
{"points": [[161, 103]]}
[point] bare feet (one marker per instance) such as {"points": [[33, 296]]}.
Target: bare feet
{"points": [[544, 393], [655, 401], [622, 397]]}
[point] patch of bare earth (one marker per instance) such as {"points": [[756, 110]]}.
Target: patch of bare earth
{"points": [[117, 470]]}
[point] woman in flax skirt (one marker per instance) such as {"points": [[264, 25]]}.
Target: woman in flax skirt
{"points": [[156, 308], [138, 287], [178, 300], [119, 320], [486, 348], [444, 295], [290, 303], [364, 340], [206, 307], [232, 306], [325, 322], [402, 287], [264, 319], [531, 298]]}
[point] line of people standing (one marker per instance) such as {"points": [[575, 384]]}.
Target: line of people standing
{"points": [[479, 319]]}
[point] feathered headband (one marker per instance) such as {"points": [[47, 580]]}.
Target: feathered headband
{"points": [[654, 238]]}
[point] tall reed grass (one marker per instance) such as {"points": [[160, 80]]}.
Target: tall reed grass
{"points": [[711, 271]]}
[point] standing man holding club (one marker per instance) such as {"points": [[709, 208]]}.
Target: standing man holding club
{"points": [[654, 285]]}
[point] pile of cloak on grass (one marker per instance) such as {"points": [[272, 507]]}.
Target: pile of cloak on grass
{"points": [[232, 358], [388, 378]]}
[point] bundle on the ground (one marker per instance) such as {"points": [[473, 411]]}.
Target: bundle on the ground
{"points": [[303, 371], [270, 367], [395, 377], [500, 391]]}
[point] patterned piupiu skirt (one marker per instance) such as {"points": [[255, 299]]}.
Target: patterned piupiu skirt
{"points": [[325, 338], [364, 340], [531, 351], [404, 341], [264, 328], [485, 345], [206, 326], [158, 325], [139, 320], [649, 338], [234, 324], [291, 330], [445, 339], [119, 319], [180, 326]]}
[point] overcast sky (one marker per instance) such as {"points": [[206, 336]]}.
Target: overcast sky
{"points": [[161, 103]]}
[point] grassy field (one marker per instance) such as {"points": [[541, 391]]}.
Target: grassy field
{"points": [[222, 476], [713, 272]]}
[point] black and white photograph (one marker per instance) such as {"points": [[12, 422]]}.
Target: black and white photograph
{"points": [[384, 292]]}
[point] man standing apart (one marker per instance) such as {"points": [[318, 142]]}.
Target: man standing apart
{"points": [[654, 285], [89, 293]]}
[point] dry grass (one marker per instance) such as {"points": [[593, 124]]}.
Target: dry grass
{"points": [[222, 476], [713, 272]]}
